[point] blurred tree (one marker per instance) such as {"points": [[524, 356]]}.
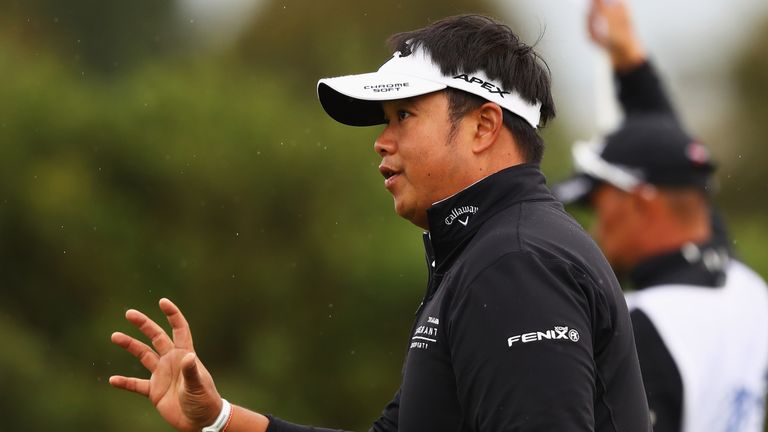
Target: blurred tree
{"points": [[308, 39], [102, 36], [188, 180], [215, 181], [744, 177]]}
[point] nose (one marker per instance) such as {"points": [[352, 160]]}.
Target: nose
{"points": [[385, 144]]}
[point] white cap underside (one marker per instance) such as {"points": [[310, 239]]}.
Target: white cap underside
{"points": [[587, 160]]}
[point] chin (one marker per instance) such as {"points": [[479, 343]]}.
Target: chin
{"points": [[405, 213], [412, 215]]}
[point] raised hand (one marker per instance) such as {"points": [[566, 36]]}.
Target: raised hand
{"points": [[180, 387], [610, 26]]}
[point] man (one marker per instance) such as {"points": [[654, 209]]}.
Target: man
{"points": [[523, 325], [700, 318]]}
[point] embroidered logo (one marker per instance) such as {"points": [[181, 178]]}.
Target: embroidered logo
{"points": [[558, 333], [458, 212]]}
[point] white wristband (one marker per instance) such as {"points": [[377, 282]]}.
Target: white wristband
{"points": [[222, 420]]}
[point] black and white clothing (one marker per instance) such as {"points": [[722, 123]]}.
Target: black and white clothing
{"points": [[701, 328], [523, 326], [700, 318]]}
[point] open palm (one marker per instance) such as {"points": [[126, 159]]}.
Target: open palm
{"points": [[180, 387]]}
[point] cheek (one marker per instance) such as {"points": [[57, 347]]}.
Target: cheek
{"points": [[608, 225], [428, 165]]}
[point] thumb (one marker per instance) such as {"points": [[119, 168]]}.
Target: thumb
{"points": [[199, 402], [192, 382]]}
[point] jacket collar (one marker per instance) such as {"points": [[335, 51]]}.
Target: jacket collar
{"points": [[701, 265], [456, 219]]}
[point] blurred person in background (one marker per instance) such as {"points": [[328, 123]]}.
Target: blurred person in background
{"points": [[523, 325], [700, 317]]}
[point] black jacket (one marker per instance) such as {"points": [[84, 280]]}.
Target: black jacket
{"points": [[523, 326]]}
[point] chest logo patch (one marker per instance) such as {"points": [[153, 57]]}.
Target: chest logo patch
{"points": [[458, 212], [425, 334]]}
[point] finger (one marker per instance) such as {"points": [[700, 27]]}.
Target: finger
{"points": [[191, 374], [146, 355], [182, 336], [154, 332], [596, 22], [133, 385]]}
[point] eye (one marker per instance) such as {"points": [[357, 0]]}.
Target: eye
{"points": [[399, 116]]}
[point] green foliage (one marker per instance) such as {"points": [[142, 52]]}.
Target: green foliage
{"points": [[218, 182], [101, 37], [746, 177], [215, 187], [336, 37]]}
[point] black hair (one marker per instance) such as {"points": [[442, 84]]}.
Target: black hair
{"points": [[471, 43]]}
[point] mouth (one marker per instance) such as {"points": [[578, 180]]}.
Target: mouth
{"points": [[390, 175]]}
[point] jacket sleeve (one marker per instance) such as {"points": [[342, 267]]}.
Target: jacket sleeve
{"points": [[641, 91], [521, 341], [386, 423], [663, 384], [389, 416], [279, 425]]}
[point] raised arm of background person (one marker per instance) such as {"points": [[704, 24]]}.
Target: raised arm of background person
{"points": [[610, 27], [639, 88], [180, 387]]}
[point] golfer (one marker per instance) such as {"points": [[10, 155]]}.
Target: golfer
{"points": [[523, 326]]}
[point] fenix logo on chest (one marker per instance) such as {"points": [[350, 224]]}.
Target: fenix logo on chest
{"points": [[492, 88]]}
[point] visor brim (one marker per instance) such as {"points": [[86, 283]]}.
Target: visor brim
{"points": [[355, 100]]}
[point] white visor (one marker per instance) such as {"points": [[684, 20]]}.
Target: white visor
{"points": [[356, 99], [587, 160]]}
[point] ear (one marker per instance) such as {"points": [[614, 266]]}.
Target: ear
{"points": [[489, 121]]}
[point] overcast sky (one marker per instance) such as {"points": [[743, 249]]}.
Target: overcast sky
{"points": [[692, 41]]}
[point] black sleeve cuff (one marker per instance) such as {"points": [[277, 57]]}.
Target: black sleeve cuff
{"points": [[279, 425]]}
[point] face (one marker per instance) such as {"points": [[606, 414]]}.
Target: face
{"points": [[617, 227], [420, 163]]}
